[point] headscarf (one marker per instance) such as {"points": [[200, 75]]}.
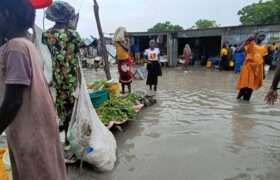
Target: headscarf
{"points": [[60, 12], [119, 35], [188, 48]]}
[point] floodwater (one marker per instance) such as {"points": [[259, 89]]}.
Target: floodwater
{"points": [[197, 131]]}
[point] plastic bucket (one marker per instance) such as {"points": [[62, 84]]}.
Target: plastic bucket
{"points": [[98, 98], [209, 64], [115, 89]]}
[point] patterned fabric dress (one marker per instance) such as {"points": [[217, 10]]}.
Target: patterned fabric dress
{"points": [[64, 47]]}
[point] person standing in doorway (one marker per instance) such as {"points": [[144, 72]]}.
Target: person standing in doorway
{"points": [[27, 112], [252, 72], [187, 56], [152, 56], [64, 44]]}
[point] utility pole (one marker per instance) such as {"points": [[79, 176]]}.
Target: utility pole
{"points": [[102, 40]]}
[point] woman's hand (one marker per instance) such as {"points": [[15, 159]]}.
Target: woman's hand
{"points": [[271, 97]]}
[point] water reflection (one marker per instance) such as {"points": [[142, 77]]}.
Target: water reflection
{"points": [[242, 125]]}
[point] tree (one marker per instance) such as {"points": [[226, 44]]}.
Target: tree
{"points": [[103, 46], [263, 12], [165, 26], [204, 24]]}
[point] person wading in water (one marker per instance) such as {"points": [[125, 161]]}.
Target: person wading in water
{"points": [[252, 72], [152, 55]]}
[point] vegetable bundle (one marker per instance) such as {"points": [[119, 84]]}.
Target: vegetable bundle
{"points": [[118, 109]]}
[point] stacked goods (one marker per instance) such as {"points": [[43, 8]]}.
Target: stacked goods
{"points": [[111, 87]]}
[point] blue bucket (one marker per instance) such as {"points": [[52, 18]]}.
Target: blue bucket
{"points": [[98, 98]]}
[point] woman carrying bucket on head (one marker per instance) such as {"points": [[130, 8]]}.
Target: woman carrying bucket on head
{"points": [[123, 59]]}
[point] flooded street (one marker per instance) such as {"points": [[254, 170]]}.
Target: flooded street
{"points": [[198, 131]]}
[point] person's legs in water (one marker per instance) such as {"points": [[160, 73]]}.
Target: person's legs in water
{"points": [[151, 87], [241, 93], [129, 87], [248, 94], [123, 88], [155, 87], [156, 83]]}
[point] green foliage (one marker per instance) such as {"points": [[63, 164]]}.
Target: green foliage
{"points": [[205, 23], [263, 12], [118, 109], [165, 26]]}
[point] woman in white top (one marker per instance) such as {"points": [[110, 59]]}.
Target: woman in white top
{"points": [[152, 55]]}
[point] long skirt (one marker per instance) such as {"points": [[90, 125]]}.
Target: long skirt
{"points": [[125, 71], [154, 70]]}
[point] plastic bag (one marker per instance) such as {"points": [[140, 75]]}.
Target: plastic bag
{"points": [[45, 55], [141, 73], [89, 139]]}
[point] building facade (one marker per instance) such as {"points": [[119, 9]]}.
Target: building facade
{"points": [[205, 43]]}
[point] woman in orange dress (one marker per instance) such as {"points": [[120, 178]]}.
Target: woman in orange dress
{"points": [[252, 74]]}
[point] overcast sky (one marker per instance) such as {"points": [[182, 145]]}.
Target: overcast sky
{"points": [[139, 15]]}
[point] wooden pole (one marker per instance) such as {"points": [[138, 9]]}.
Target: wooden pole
{"points": [[103, 45]]}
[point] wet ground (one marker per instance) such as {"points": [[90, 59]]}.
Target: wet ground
{"points": [[197, 131]]}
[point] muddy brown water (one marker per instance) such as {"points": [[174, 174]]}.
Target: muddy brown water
{"points": [[197, 131]]}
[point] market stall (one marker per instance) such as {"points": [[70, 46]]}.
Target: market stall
{"points": [[113, 109]]}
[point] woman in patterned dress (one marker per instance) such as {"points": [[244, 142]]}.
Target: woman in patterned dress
{"points": [[64, 44]]}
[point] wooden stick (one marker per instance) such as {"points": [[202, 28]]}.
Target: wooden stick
{"points": [[103, 46]]}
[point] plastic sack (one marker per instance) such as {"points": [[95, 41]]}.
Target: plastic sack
{"points": [[112, 53], [89, 139], [45, 55], [38, 4], [141, 73]]}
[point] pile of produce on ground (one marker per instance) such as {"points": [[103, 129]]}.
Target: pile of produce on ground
{"points": [[119, 109], [112, 87], [113, 109]]}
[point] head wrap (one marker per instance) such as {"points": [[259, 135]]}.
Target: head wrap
{"points": [[60, 12]]}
